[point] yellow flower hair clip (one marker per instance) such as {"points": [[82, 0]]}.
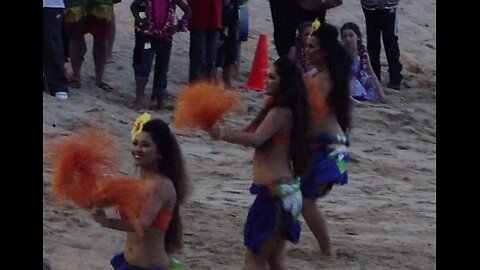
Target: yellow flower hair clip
{"points": [[316, 24], [138, 125]]}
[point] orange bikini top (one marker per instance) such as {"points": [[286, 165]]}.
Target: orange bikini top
{"points": [[277, 139], [281, 139], [161, 221]]}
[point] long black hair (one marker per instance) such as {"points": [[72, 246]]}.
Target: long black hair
{"points": [[171, 165], [291, 93], [339, 64]]}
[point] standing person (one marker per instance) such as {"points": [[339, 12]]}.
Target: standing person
{"points": [[364, 84], [229, 49], [82, 17], [331, 72], [65, 41], [280, 134], [298, 52], [155, 26], [204, 26], [156, 152], [54, 77], [381, 20], [111, 34], [286, 16]]}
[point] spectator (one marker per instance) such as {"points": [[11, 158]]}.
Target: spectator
{"points": [[298, 52], [111, 35], [381, 20], [364, 85], [204, 26], [53, 58], [153, 38], [229, 48], [286, 16], [88, 16]]}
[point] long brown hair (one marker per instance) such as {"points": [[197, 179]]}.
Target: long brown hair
{"points": [[172, 166], [339, 65], [293, 95]]}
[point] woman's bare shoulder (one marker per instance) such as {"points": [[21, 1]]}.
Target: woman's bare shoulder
{"points": [[164, 186], [281, 112]]}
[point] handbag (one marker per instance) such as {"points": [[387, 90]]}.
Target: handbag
{"points": [[318, 5]]}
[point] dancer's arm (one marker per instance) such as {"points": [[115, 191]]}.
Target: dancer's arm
{"points": [[270, 125], [159, 195]]}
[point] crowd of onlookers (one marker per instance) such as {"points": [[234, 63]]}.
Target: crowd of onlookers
{"points": [[214, 31]]}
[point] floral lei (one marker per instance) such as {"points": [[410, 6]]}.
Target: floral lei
{"points": [[149, 27]]}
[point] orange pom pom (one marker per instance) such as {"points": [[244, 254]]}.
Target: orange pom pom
{"points": [[318, 103], [128, 194], [202, 104], [79, 160]]}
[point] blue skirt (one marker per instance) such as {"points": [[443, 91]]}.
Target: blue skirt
{"points": [[329, 167], [119, 263], [262, 220]]}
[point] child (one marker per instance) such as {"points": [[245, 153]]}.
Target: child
{"points": [[297, 52], [154, 27], [228, 51], [364, 85], [280, 134]]}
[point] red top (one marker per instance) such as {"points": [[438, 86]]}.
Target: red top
{"points": [[206, 14]]}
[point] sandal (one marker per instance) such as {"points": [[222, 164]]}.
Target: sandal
{"points": [[74, 83], [105, 87]]}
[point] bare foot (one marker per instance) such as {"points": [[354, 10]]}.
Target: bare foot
{"points": [[139, 104], [326, 253], [109, 60], [74, 83]]}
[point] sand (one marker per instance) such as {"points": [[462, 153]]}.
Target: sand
{"points": [[385, 218]]}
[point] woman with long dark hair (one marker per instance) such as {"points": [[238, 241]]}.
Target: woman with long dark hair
{"points": [[158, 155], [364, 84], [330, 72], [280, 135]]}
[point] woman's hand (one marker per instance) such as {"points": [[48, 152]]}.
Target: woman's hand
{"points": [[99, 216], [383, 99], [215, 133]]}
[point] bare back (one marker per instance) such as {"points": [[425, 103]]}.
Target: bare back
{"points": [[271, 161], [329, 124]]}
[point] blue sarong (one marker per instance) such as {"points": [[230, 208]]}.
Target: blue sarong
{"points": [[330, 162], [262, 219], [119, 263]]}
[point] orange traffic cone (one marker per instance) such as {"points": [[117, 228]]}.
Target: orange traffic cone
{"points": [[259, 70]]}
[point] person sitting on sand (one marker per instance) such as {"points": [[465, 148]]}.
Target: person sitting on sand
{"points": [[331, 73], [280, 135], [158, 155], [297, 52], [364, 85]]}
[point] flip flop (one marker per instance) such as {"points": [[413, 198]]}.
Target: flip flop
{"points": [[74, 83], [105, 87]]}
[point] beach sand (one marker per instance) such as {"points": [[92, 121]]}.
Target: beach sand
{"points": [[385, 218]]}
